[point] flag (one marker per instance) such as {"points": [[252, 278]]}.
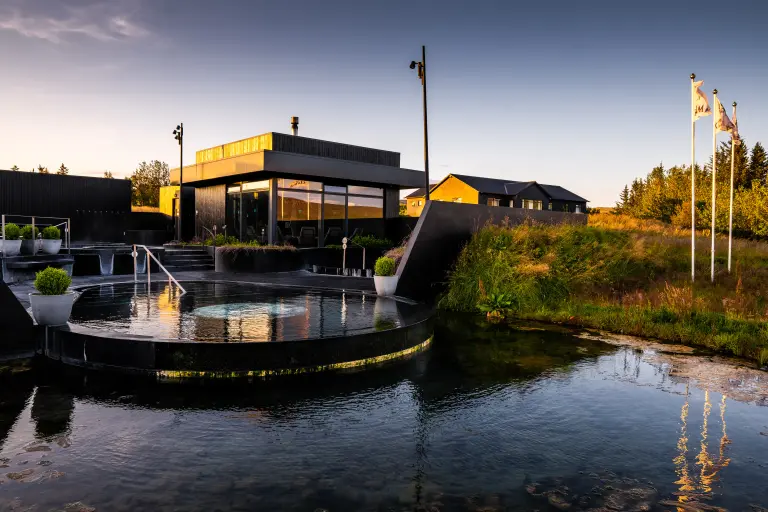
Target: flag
{"points": [[722, 121], [735, 132], [700, 102]]}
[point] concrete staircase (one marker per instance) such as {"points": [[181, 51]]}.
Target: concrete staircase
{"points": [[185, 259]]}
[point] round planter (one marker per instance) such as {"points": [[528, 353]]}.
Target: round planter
{"points": [[385, 285], [10, 247], [51, 246], [52, 309]]}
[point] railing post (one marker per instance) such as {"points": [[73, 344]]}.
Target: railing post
{"points": [[149, 277], [363, 258], [69, 235], [3, 222], [34, 238], [135, 271], [344, 260]]}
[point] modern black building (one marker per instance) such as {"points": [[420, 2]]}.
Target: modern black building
{"points": [[278, 188]]}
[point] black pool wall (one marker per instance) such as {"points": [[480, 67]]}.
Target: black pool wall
{"points": [[441, 232], [16, 327]]}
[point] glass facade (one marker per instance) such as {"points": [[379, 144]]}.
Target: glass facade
{"points": [[307, 213]]}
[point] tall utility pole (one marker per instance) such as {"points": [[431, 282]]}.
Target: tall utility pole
{"points": [[422, 67], [179, 136]]}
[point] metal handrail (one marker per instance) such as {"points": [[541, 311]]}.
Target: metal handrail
{"points": [[171, 279], [344, 243], [67, 230], [213, 235]]}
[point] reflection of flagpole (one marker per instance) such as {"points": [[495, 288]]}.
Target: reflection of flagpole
{"points": [[714, 185], [693, 178], [730, 218], [681, 461]]}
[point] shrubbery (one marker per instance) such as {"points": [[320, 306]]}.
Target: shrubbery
{"points": [[12, 232], [51, 233], [384, 266], [52, 281], [28, 234]]}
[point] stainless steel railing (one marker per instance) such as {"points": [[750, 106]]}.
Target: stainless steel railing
{"points": [[35, 219], [135, 255], [344, 242]]}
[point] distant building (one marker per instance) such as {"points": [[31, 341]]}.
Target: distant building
{"points": [[460, 188]]}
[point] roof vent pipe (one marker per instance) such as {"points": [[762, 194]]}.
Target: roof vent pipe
{"points": [[294, 125]]}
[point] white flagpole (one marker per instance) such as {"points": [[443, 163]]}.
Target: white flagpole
{"points": [[730, 218], [714, 184], [693, 179]]}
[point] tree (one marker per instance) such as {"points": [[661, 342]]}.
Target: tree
{"points": [[146, 181], [758, 164], [63, 171], [108, 174], [623, 201], [42, 170], [15, 168]]}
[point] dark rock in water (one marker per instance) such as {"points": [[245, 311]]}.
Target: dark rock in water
{"points": [[20, 475], [45, 463], [78, 506], [612, 494], [37, 446], [692, 506]]}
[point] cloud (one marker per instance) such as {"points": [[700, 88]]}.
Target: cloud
{"points": [[59, 21]]}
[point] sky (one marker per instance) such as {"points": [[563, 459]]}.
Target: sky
{"points": [[587, 95]]}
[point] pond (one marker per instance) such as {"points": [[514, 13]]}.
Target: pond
{"points": [[489, 418]]}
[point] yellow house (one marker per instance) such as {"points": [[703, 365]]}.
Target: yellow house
{"points": [[459, 188]]}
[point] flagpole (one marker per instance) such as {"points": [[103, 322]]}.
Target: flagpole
{"points": [[714, 184], [693, 180], [730, 214]]}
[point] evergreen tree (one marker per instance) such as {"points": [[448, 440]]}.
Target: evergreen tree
{"points": [[15, 168], [741, 173], [623, 201], [108, 174], [63, 171], [42, 170], [758, 164]]}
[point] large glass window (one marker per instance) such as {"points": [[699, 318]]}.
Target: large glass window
{"points": [[366, 208], [334, 218], [333, 189], [532, 204], [298, 216]]}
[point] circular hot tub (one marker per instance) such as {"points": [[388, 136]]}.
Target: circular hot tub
{"points": [[232, 329]]}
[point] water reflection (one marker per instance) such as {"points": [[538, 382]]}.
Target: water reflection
{"points": [[488, 419], [227, 311]]}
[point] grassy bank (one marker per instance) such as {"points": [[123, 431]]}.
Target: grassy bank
{"points": [[622, 275]]}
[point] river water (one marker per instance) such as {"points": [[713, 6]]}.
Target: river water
{"points": [[490, 418]]}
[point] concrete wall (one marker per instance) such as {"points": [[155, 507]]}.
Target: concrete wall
{"points": [[16, 327], [442, 231]]}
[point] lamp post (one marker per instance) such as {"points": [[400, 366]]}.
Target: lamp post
{"points": [[422, 70], [178, 134]]}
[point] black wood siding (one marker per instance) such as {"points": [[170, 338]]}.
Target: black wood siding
{"points": [[26, 193], [315, 147], [211, 206]]}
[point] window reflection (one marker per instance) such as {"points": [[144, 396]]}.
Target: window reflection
{"points": [[299, 184], [365, 208], [366, 191]]}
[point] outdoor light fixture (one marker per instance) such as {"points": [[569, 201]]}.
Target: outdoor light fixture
{"points": [[178, 134], [422, 72]]}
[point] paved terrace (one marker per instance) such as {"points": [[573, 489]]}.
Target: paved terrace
{"points": [[300, 278]]}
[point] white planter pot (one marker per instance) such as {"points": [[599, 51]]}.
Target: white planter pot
{"points": [[51, 246], [385, 285], [52, 309], [10, 247]]}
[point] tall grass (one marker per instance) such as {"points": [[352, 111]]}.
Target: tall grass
{"points": [[619, 274]]}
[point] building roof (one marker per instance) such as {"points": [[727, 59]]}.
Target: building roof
{"points": [[513, 188], [419, 192]]}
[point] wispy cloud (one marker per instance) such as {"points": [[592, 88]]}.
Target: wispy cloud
{"points": [[59, 21]]}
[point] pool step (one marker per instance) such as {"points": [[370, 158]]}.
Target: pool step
{"points": [[180, 260]]}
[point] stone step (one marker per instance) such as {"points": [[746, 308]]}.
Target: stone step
{"points": [[188, 257], [186, 268]]}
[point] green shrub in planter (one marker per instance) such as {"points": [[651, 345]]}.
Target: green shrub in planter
{"points": [[12, 232], [27, 234], [52, 281], [51, 233], [384, 266]]}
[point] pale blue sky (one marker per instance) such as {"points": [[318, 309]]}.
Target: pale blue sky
{"points": [[587, 95]]}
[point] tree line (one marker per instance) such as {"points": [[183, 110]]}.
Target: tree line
{"points": [[665, 194], [146, 180]]}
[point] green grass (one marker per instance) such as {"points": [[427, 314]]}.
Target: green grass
{"points": [[617, 279]]}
